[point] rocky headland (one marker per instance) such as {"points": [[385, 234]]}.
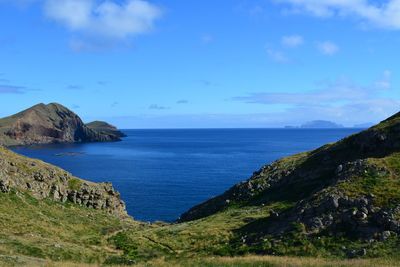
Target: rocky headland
{"points": [[52, 123]]}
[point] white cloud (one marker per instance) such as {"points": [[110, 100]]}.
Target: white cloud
{"points": [[106, 19], [292, 40], [384, 15], [158, 107], [328, 48]]}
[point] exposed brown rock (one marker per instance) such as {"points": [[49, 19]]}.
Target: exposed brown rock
{"points": [[44, 124]]}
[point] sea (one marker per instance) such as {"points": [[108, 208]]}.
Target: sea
{"points": [[162, 173]]}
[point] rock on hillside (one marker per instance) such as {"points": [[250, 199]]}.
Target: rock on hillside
{"points": [[44, 124], [105, 128], [350, 188], [44, 181]]}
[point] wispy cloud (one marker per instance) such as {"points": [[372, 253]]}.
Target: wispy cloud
{"points": [[207, 83], [102, 83], [158, 107], [207, 38], [292, 40], [250, 8], [182, 101], [374, 13], [74, 87], [3, 79], [19, 3], [339, 100], [328, 48], [385, 82], [114, 104], [277, 56], [10, 89]]}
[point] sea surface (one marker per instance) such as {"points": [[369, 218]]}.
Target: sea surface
{"points": [[162, 173]]}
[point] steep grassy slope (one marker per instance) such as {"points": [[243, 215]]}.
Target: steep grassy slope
{"points": [[342, 200], [43, 124], [299, 176], [55, 231], [47, 213]]}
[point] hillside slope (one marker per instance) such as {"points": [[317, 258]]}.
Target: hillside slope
{"points": [[43, 124], [339, 201], [342, 199], [296, 177], [47, 213]]}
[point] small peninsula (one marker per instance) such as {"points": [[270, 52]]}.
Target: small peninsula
{"points": [[52, 123]]}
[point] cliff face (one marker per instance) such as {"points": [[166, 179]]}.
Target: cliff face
{"points": [[43, 181], [105, 129], [44, 124]]}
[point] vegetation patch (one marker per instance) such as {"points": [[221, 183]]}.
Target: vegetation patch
{"points": [[74, 184]]}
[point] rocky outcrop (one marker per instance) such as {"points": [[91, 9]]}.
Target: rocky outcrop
{"points": [[267, 178], [44, 124], [105, 129], [332, 209], [44, 181]]}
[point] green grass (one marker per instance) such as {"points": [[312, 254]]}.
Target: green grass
{"points": [[49, 230], [385, 186], [74, 184], [208, 236]]}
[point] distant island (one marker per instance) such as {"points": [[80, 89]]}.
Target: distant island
{"points": [[325, 124], [317, 124]]}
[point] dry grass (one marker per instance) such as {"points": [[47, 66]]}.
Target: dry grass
{"points": [[248, 261]]}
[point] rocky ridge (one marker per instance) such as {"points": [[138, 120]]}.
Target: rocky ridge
{"points": [[44, 181]]}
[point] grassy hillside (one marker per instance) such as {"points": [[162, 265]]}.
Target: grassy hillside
{"points": [[46, 233], [319, 208], [55, 231]]}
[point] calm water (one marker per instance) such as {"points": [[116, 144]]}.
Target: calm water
{"points": [[162, 173]]}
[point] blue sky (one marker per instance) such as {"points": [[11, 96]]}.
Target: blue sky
{"points": [[181, 64]]}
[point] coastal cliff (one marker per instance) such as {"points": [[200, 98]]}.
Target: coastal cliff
{"points": [[44, 181]]}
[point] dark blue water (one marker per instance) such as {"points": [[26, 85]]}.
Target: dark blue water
{"points": [[162, 173]]}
